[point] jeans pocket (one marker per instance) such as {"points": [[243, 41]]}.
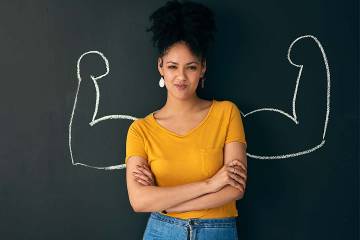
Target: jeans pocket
{"points": [[152, 230]]}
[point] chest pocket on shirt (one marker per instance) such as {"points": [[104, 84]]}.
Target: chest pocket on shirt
{"points": [[212, 160]]}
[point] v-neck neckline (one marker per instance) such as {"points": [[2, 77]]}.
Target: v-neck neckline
{"points": [[190, 131]]}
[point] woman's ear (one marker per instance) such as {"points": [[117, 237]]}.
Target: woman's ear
{"points": [[160, 66], [203, 70]]}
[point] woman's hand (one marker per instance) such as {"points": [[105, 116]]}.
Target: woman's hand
{"points": [[233, 174], [144, 175]]}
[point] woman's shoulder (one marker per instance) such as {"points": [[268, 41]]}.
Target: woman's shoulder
{"points": [[137, 123], [226, 104]]}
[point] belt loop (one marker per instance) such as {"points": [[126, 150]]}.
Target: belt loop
{"points": [[191, 221]]}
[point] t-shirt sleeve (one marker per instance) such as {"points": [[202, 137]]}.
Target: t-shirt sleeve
{"points": [[135, 143], [235, 130]]}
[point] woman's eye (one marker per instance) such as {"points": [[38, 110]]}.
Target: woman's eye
{"points": [[191, 67]]}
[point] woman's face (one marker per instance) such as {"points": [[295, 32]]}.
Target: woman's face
{"points": [[181, 71]]}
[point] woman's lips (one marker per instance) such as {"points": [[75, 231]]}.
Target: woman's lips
{"points": [[180, 86]]}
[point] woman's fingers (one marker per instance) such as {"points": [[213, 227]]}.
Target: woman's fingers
{"points": [[237, 185], [237, 178], [145, 169], [237, 182], [146, 172], [142, 181], [146, 166], [142, 177], [238, 165], [237, 162], [237, 170]]}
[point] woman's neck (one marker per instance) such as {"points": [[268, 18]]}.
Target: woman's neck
{"points": [[181, 107]]}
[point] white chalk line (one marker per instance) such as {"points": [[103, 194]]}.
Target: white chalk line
{"points": [[94, 121], [292, 117]]}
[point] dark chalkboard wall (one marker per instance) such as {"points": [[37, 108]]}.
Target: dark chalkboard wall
{"points": [[302, 172]]}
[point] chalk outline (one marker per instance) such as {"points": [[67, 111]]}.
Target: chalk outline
{"points": [[293, 117], [94, 121]]}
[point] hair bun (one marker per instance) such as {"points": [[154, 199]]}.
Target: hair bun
{"points": [[187, 21]]}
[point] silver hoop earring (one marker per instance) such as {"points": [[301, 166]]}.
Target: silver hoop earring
{"points": [[162, 82]]}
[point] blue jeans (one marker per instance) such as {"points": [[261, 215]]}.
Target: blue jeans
{"points": [[162, 227]]}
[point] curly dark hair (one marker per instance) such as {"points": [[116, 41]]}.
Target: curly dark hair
{"points": [[190, 22]]}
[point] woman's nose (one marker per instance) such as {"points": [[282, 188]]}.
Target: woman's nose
{"points": [[181, 73]]}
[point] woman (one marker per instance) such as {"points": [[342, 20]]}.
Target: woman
{"points": [[186, 163]]}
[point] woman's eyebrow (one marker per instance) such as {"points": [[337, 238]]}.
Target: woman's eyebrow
{"points": [[186, 64]]}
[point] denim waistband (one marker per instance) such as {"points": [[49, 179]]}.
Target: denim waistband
{"points": [[206, 222]]}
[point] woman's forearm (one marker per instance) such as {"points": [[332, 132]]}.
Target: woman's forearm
{"points": [[210, 200], [155, 198]]}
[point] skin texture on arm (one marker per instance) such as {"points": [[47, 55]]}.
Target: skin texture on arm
{"points": [[153, 198], [210, 200], [232, 150]]}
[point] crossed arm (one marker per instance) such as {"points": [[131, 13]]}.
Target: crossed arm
{"points": [[209, 200], [199, 195]]}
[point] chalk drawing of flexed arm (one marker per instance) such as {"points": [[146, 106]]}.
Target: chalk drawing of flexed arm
{"points": [[293, 116], [95, 120]]}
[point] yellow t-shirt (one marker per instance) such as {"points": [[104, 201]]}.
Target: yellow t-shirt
{"points": [[179, 159]]}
